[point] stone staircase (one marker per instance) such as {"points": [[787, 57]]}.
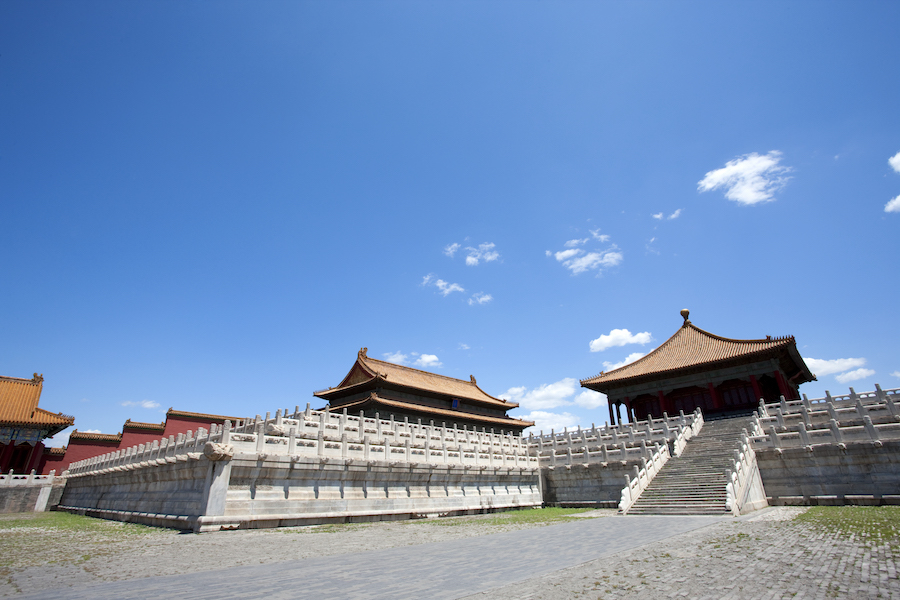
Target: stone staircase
{"points": [[694, 483]]}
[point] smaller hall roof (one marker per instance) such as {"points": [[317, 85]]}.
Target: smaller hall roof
{"points": [[367, 370], [19, 405], [692, 347]]}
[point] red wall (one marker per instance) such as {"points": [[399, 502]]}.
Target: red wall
{"points": [[135, 437], [178, 424]]}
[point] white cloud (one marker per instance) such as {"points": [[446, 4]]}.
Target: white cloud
{"points": [[590, 399], [894, 161], [142, 404], [545, 421], [675, 214], [60, 439], [548, 395], [609, 366], [822, 368], [658, 216], [451, 249], [395, 357], [463, 346], [578, 260], [854, 375], [620, 337], [595, 233], [483, 252], [749, 179], [428, 360], [896, 373], [567, 254], [445, 287], [893, 205], [480, 298]]}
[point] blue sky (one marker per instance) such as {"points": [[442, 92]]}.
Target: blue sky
{"points": [[213, 206]]}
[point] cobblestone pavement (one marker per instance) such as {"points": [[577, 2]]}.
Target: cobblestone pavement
{"points": [[437, 570], [766, 556]]}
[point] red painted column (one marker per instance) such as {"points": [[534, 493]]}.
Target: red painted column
{"points": [[716, 398], [663, 407], [612, 418], [756, 390], [628, 412], [35, 459], [782, 386]]}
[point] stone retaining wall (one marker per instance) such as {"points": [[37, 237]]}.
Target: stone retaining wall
{"points": [[596, 485], [851, 473], [253, 491]]}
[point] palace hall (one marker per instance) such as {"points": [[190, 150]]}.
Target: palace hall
{"points": [[387, 389], [695, 368]]}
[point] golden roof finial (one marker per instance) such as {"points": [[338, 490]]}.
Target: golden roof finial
{"points": [[685, 313]]}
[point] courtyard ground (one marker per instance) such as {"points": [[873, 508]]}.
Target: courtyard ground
{"points": [[776, 553]]}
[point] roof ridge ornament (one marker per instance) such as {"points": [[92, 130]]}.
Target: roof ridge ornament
{"points": [[472, 379], [362, 352], [685, 313], [38, 378]]}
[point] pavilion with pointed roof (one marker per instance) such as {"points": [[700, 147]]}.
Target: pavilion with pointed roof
{"points": [[695, 368], [377, 387]]}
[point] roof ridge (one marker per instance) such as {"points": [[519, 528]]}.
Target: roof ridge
{"points": [[36, 380], [768, 338], [688, 324], [472, 382]]}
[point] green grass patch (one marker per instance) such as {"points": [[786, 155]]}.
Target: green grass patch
{"points": [[514, 517], [69, 523], [878, 523]]}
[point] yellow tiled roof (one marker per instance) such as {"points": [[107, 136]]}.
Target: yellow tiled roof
{"points": [[192, 415], [445, 412], [129, 424], [416, 379], [689, 347], [95, 437], [19, 404]]}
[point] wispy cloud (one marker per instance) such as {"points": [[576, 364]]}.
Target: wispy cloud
{"points": [[480, 298], [894, 161], [602, 238], [749, 179], [821, 368], [619, 337], [451, 249], [463, 346], [395, 357], [660, 216], [427, 360], [892, 205], [445, 287], [610, 366], [141, 403], [896, 374], [854, 375], [578, 260], [484, 252]]}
